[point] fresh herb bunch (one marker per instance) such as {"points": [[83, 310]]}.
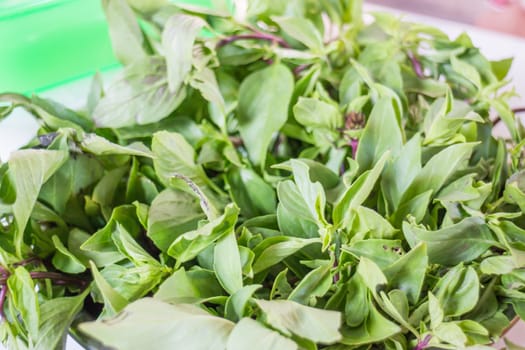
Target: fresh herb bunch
{"points": [[269, 175]]}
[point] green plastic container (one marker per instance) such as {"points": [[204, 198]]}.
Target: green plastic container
{"points": [[48, 43]]}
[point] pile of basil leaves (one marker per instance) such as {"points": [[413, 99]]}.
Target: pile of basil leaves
{"points": [[269, 175]]}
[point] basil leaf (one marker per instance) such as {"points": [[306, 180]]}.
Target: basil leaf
{"points": [[126, 37], [320, 326], [57, 316], [462, 242], [458, 290], [25, 300], [314, 113], [250, 192], [43, 164], [303, 30], [188, 245], [113, 301], [139, 96], [189, 287], [227, 263], [249, 333], [178, 37], [150, 321], [381, 134], [263, 108]]}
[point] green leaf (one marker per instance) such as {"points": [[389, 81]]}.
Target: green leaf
{"points": [[189, 287], [29, 170], [407, 163], [293, 212], [263, 108], [458, 290], [227, 263], [371, 275], [357, 193], [174, 155], [253, 195], [171, 214], [466, 70], [237, 303], [451, 333], [435, 311], [357, 306], [434, 174], [314, 285], [303, 30], [316, 114], [138, 96], [178, 37], [101, 146], [273, 250], [188, 245], [25, 300], [149, 321], [250, 334], [383, 252], [368, 223], [75, 175], [64, 260], [461, 242], [498, 265], [100, 247], [501, 68], [61, 112], [312, 192], [205, 81], [131, 249], [375, 328], [57, 316], [381, 134], [124, 31], [288, 317], [113, 301], [445, 118], [408, 273]]}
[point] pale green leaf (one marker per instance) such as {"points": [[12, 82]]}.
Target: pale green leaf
{"points": [[320, 326], [178, 37], [151, 323], [263, 108], [250, 334], [227, 263]]}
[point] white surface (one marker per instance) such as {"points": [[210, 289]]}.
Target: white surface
{"points": [[20, 127]]}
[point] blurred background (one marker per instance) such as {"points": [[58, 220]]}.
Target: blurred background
{"points": [[506, 16]]}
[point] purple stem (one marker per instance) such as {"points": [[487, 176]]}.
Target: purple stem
{"points": [[57, 278], [423, 344], [299, 69], [253, 36], [514, 110], [354, 143], [3, 294], [336, 275], [416, 65], [28, 261]]}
